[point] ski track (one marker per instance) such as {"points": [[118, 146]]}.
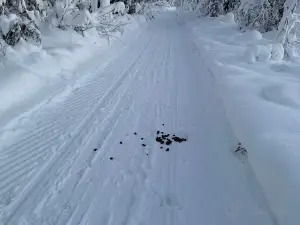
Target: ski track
{"points": [[50, 173]]}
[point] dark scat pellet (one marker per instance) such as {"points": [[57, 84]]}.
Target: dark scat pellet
{"points": [[161, 147], [165, 136], [95, 149], [163, 124], [111, 158], [167, 149], [142, 138], [168, 142], [121, 142], [159, 139], [135, 133], [143, 145], [147, 154], [178, 139], [157, 132]]}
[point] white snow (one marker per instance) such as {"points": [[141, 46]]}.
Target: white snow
{"points": [[6, 22], [253, 35], [29, 73], [55, 165], [277, 51], [119, 8], [262, 103], [138, 7], [255, 53], [264, 53], [228, 18], [104, 3]]}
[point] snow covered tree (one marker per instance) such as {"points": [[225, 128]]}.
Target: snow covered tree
{"points": [[263, 15], [212, 8], [286, 30], [20, 19], [216, 7], [231, 5], [257, 14]]}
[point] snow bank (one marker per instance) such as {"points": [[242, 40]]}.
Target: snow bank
{"points": [[277, 51], [6, 22], [228, 18], [262, 102], [29, 73]]}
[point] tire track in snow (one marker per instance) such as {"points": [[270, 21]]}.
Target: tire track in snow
{"points": [[172, 169], [141, 166], [136, 171], [121, 105], [39, 182]]}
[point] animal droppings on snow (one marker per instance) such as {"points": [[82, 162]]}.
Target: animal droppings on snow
{"points": [[164, 139], [159, 139], [241, 149], [95, 149], [168, 142], [111, 158], [178, 139], [165, 136]]}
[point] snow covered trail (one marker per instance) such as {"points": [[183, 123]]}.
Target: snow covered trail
{"points": [[58, 170]]}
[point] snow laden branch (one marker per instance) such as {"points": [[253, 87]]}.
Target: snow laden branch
{"points": [[263, 15], [286, 34], [117, 7]]}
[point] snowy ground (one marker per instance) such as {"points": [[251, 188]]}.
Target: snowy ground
{"points": [[56, 165], [30, 74], [262, 103]]}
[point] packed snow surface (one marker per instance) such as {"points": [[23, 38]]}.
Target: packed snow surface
{"points": [[89, 155], [260, 94]]}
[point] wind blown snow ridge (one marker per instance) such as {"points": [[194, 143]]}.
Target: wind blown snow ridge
{"points": [[261, 98]]}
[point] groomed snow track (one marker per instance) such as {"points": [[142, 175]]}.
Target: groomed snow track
{"points": [[50, 173]]}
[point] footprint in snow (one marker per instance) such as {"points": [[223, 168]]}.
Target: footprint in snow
{"points": [[170, 201]]}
